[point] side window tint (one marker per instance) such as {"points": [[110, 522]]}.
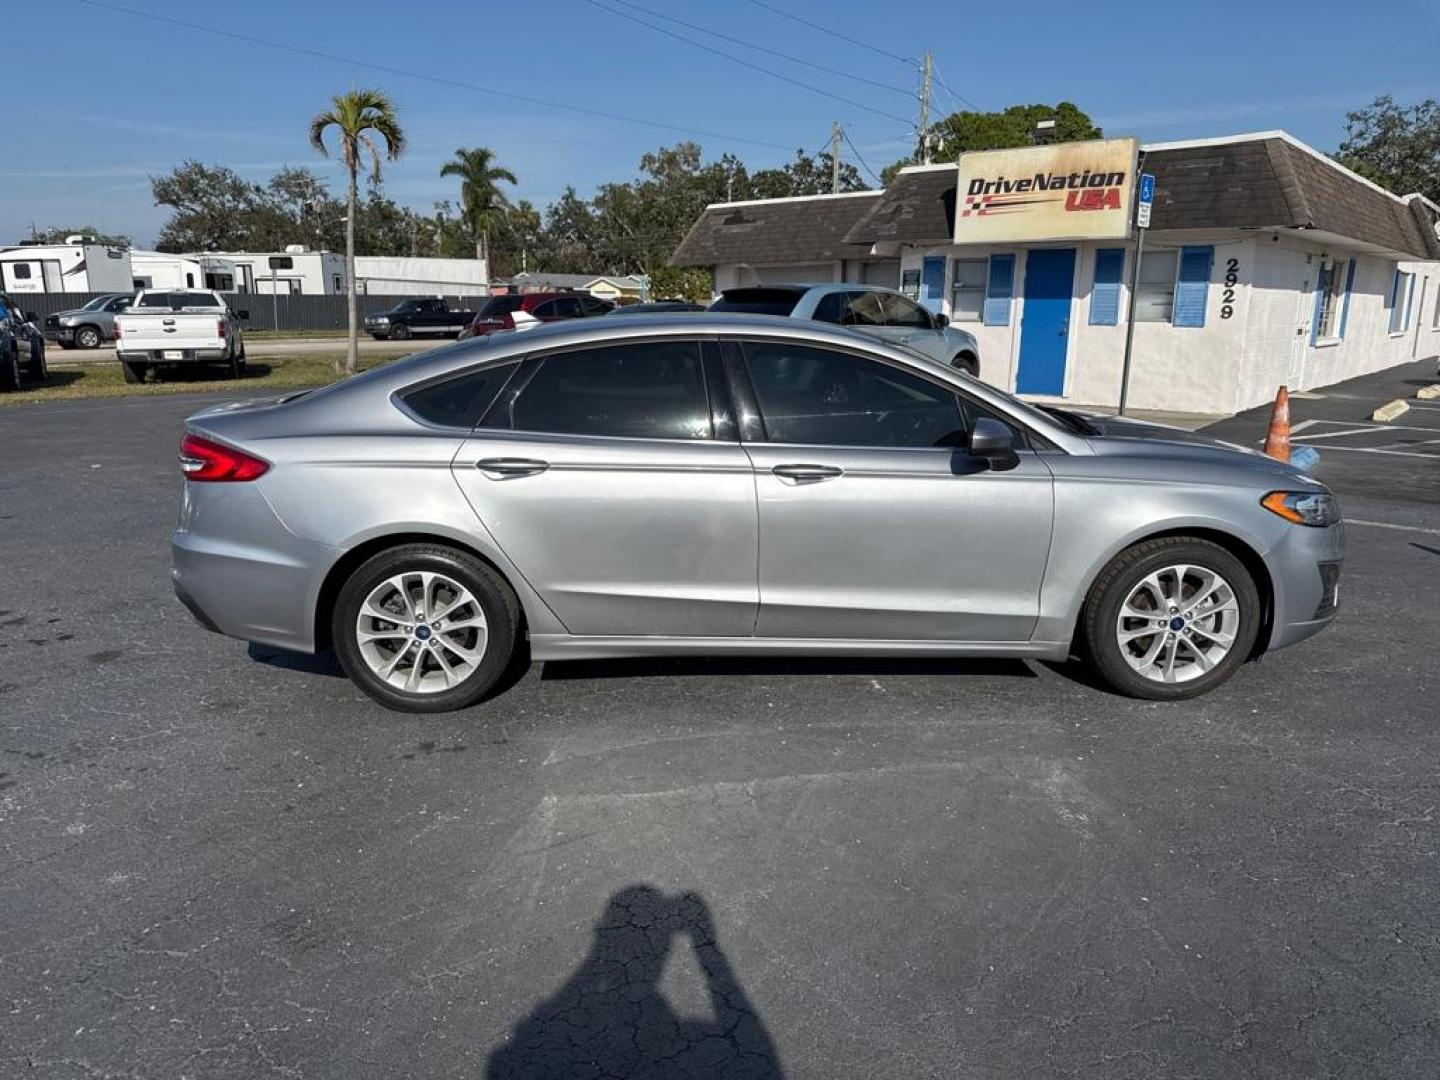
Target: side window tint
{"points": [[461, 401], [863, 309], [903, 312], [545, 310], [649, 390], [819, 397], [830, 308]]}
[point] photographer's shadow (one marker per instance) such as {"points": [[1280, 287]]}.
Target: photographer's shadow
{"points": [[611, 1019]]}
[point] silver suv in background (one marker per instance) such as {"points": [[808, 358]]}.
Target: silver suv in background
{"points": [[90, 326], [887, 314]]}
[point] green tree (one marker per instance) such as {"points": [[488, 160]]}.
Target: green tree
{"points": [[1014, 126], [482, 203], [1395, 146], [57, 235], [212, 208], [806, 175], [360, 117]]}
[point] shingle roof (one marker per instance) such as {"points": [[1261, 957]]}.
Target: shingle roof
{"points": [[769, 232], [920, 202], [546, 279], [1250, 182]]}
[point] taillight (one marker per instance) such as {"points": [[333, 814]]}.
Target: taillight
{"points": [[201, 459], [119, 330], [221, 327]]}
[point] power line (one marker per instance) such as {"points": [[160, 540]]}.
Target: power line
{"points": [[422, 77], [772, 52], [854, 150], [908, 61], [953, 95], [746, 63]]}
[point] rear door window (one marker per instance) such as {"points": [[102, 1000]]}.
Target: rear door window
{"points": [[645, 390], [822, 397]]}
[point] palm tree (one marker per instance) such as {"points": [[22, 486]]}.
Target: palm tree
{"points": [[356, 115], [482, 204]]}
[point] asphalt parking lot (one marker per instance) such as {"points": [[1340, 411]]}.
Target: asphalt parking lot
{"points": [[222, 861]]}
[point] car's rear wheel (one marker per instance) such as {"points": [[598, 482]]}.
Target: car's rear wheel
{"points": [[134, 370], [400, 332], [87, 337], [1171, 618], [425, 628]]}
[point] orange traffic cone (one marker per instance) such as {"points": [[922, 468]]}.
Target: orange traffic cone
{"points": [[1277, 440]]}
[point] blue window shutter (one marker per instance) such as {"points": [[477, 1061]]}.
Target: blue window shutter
{"points": [[1193, 288], [1319, 299], [998, 290], [1409, 300], [1345, 304], [1105, 294], [1393, 303]]}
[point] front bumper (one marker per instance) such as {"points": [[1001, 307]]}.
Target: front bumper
{"points": [[61, 335], [1305, 569]]}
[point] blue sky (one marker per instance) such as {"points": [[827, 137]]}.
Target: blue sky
{"points": [[86, 126]]}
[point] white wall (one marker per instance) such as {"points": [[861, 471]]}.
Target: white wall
{"points": [[381, 274], [733, 275]]}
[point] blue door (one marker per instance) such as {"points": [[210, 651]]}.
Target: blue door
{"points": [[932, 283], [1045, 323]]}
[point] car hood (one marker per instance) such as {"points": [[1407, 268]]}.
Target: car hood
{"points": [[75, 311], [1126, 435]]}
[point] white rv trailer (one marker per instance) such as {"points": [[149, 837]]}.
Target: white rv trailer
{"points": [[160, 270], [78, 265]]}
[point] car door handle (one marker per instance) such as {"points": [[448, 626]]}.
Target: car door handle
{"points": [[806, 474], [510, 468]]}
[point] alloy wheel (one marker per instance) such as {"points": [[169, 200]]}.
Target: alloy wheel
{"points": [[1178, 623], [421, 632]]}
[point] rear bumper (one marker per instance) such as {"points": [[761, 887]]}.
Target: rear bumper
{"points": [[240, 572], [1305, 568], [187, 356]]}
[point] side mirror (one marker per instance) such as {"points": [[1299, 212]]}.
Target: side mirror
{"points": [[995, 442], [941, 321], [242, 315]]}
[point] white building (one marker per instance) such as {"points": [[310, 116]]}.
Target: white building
{"points": [[78, 265], [1266, 263]]}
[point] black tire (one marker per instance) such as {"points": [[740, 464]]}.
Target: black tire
{"points": [[88, 337], [10, 371], [134, 370], [495, 597], [400, 332], [967, 363], [1102, 612], [39, 369]]}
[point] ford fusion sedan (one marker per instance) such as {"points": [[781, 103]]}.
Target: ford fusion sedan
{"points": [[869, 309], [732, 485]]}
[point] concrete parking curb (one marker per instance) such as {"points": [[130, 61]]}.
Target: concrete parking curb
{"points": [[1428, 393], [1390, 410]]}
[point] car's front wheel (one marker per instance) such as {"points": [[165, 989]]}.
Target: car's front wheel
{"points": [[1171, 618], [87, 337], [425, 628], [400, 332]]}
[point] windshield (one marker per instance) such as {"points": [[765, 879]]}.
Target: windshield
{"points": [[501, 305], [98, 303]]}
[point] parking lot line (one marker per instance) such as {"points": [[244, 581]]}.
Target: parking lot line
{"points": [[1392, 525], [1377, 450]]}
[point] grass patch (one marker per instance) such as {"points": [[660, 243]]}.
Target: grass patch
{"points": [[78, 382], [298, 335]]}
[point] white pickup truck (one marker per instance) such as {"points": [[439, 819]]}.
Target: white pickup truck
{"points": [[166, 327]]}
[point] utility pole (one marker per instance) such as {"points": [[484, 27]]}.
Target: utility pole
{"points": [[925, 109], [835, 157]]}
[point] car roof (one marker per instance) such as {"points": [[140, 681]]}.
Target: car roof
{"points": [[825, 286]]}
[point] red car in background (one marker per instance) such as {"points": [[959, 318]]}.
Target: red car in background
{"points": [[498, 312]]}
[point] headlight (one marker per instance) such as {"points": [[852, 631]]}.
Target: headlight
{"points": [[1313, 508]]}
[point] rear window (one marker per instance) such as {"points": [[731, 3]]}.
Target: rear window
{"points": [[758, 301], [501, 305], [173, 301]]}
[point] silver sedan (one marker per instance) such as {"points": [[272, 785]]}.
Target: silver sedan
{"points": [[732, 485]]}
